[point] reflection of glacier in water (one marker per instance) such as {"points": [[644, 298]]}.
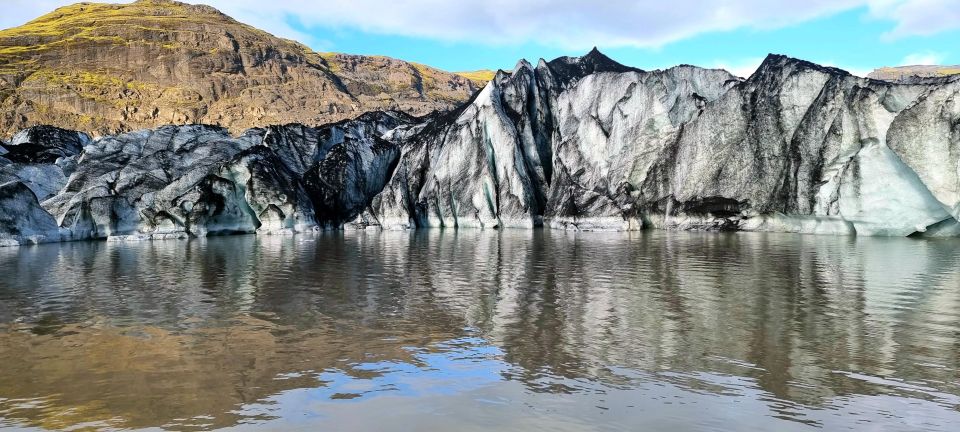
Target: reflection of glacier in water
{"points": [[483, 329]]}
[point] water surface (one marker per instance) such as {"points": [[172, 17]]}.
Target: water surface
{"points": [[483, 330]]}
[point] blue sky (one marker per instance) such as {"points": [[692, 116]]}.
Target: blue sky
{"points": [[849, 39], [857, 35]]}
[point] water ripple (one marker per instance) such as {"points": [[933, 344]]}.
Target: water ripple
{"points": [[479, 330]]}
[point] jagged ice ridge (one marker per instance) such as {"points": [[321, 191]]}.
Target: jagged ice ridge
{"points": [[575, 143]]}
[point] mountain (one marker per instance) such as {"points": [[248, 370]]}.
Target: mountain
{"points": [[109, 68], [579, 143], [905, 73], [480, 76]]}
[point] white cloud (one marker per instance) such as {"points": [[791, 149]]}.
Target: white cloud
{"points": [[16, 12], [574, 24], [917, 17], [570, 24], [578, 24], [741, 68], [923, 58], [856, 71]]}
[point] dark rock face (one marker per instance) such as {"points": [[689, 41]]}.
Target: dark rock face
{"points": [[576, 143], [41, 158], [44, 144], [345, 183], [355, 169]]}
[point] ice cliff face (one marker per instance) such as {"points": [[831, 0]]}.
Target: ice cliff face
{"points": [[586, 143], [575, 143], [565, 143], [180, 181]]}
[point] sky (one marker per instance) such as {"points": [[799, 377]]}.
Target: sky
{"points": [[463, 35]]}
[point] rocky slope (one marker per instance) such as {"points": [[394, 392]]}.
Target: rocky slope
{"points": [[110, 68], [912, 73], [574, 143]]}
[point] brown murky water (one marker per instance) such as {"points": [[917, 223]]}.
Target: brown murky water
{"points": [[483, 330]]}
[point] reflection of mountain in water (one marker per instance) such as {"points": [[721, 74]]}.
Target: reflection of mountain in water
{"points": [[158, 333]]}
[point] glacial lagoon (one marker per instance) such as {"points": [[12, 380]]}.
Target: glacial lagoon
{"points": [[483, 330]]}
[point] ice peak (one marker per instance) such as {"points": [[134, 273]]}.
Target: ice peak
{"points": [[774, 63], [522, 64], [567, 69]]}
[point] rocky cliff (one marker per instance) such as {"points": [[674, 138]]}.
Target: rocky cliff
{"points": [[575, 143], [110, 68]]}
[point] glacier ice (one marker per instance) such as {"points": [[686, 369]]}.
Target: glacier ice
{"points": [[579, 143], [585, 143]]}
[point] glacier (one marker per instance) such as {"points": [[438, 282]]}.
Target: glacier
{"points": [[577, 143]]}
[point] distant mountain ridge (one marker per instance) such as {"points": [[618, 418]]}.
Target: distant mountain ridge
{"points": [[901, 73], [109, 68]]}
